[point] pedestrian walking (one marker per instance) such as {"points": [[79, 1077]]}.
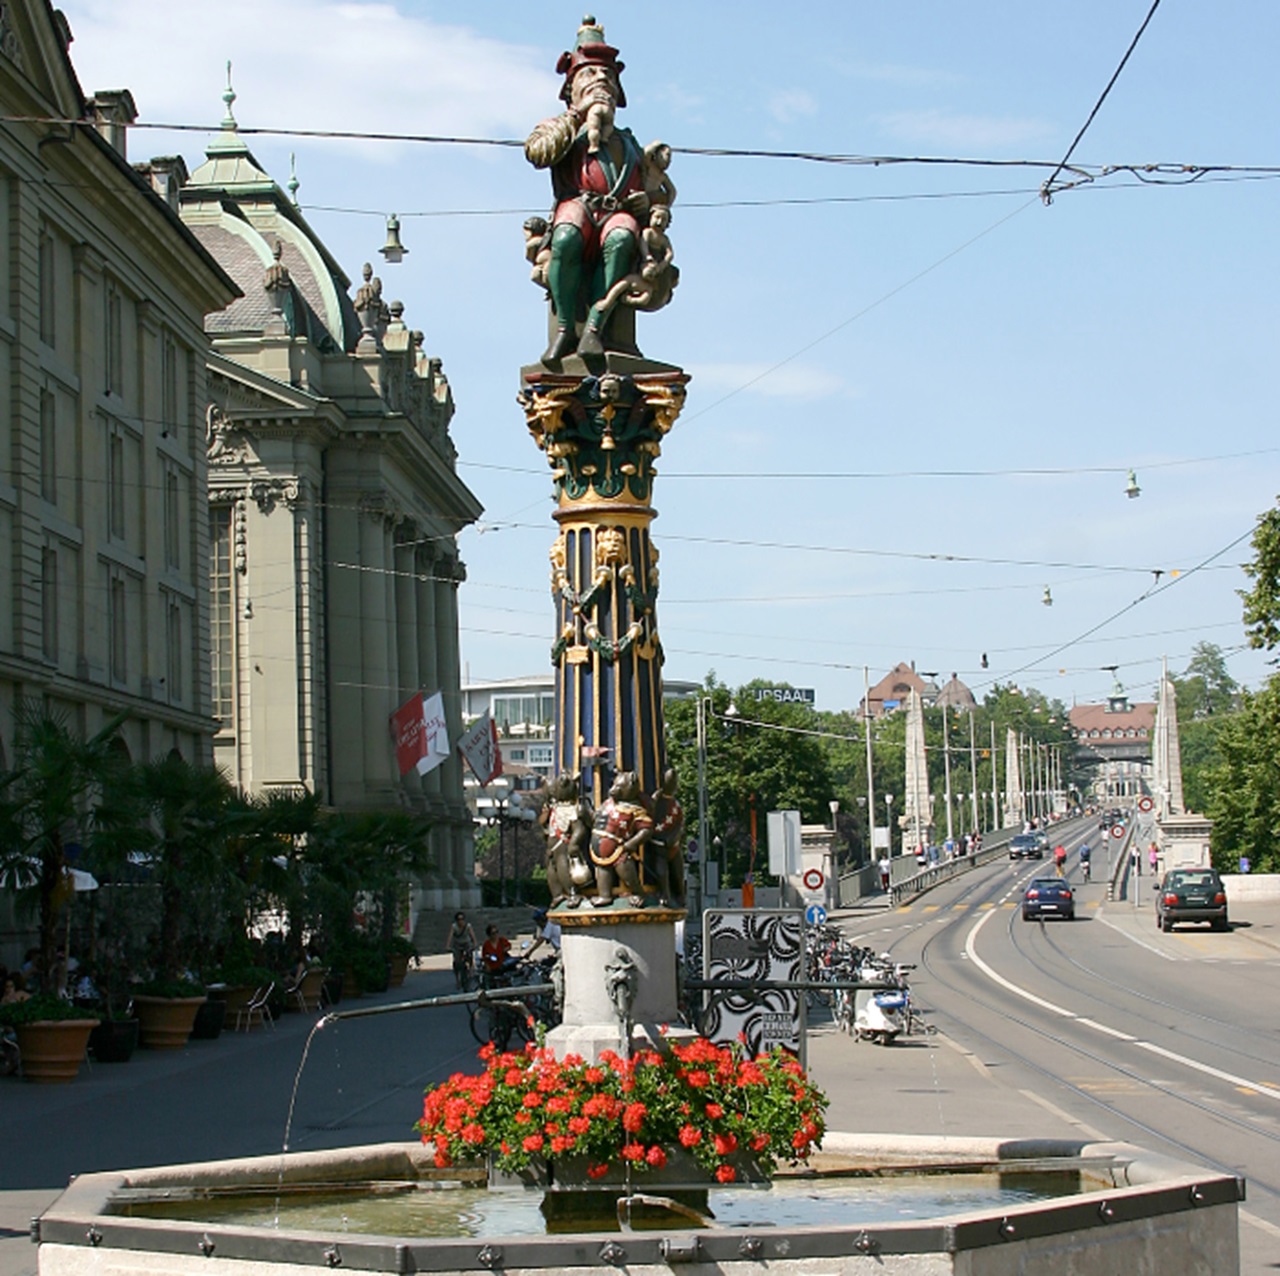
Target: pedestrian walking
{"points": [[1135, 863], [884, 872], [1153, 858]]}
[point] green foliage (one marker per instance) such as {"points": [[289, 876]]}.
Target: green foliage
{"points": [[1206, 688], [41, 1006], [1244, 800], [764, 756], [1262, 601], [49, 799], [174, 988]]}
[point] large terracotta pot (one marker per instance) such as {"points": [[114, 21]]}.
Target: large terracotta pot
{"points": [[164, 1023], [52, 1048], [399, 963]]}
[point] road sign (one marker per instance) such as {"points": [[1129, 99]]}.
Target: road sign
{"points": [[815, 915], [813, 879], [1117, 830], [1145, 804]]}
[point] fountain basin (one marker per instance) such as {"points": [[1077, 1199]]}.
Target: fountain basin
{"points": [[1124, 1210]]}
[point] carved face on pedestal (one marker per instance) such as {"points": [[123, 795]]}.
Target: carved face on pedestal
{"points": [[594, 96]]}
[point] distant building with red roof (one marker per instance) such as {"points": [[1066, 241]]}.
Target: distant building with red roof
{"points": [[1115, 738]]}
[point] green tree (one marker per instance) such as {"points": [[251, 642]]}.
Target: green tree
{"points": [[1244, 785], [1262, 601], [1206, 687], [761, 755]]}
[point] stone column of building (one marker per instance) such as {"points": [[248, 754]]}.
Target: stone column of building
{"points": [[449, 574], [312, 730], [375, 697], [408, 678]]}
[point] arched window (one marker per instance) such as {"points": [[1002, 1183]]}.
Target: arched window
{"points": [[1106, 733]]}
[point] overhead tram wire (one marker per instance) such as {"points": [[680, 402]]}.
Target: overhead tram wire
{"points": [[1047, 190]]}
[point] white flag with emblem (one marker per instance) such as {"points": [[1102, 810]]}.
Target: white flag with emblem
{"points": [[479, 745]]}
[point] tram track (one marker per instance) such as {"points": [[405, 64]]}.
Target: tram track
{"points": [[940, 976]]}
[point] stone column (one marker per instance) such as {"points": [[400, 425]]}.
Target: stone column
{"points": [[377, 694]]}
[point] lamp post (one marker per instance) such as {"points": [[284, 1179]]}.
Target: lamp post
{"points": [[704, 704], [862, 806], [888, 819]]}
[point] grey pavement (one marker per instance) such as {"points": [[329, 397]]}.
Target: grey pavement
{"points": [[230, 1097]]}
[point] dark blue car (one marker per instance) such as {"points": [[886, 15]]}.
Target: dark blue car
{"points": [[1048, 897]]}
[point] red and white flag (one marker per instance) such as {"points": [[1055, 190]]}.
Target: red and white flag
{"points": [[420, 734], [479, 745]]}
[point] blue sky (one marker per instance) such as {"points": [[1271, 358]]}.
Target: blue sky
{"points": [[938, 318]]}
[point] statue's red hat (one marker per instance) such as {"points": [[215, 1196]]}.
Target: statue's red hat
{"points": [[590, 49]]}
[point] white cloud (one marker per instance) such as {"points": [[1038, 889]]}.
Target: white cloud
{"points": [[940, 128], [791, 381], [899, 74], [788, 105], [316, 64]]}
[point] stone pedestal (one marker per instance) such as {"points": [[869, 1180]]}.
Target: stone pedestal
{"points": [[592, 941]]}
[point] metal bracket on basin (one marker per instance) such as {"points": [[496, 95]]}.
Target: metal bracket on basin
{"points": [[751, 1247], [866, 1244], [206, 1246], [1197, 1195], [613, 1254], [679, 1250], [490, 1256], [333, 1256], [94, 1237], [1107, 1212], [1006, 1229]]}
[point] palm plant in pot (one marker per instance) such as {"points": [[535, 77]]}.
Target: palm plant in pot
{"points": [[49, 805], [186, 806]]}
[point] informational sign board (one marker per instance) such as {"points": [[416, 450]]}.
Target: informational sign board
{"points": [[756, 946], [880, 838], [782, 828]]}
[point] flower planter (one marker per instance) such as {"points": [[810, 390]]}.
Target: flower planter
{"points": [[53, 1048], [164, 1023], [236, 998], [114, 1040], [351, 984], [209, 1020]]}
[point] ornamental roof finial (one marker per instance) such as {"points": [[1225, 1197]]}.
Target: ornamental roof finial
{"points": [[229, 96], [293, 182]]}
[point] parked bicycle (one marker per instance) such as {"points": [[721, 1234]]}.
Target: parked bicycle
{"points": [[510, 1024]]}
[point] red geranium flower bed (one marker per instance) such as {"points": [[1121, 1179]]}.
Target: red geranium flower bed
{"points": [[710, 1100]]}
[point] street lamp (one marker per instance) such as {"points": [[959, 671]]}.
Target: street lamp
{"points": [[888, 819], [862, 806]]}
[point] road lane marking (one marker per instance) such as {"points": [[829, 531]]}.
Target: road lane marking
{"points": [[1232, 1078], [1087, 1130], [1247, 1216]]}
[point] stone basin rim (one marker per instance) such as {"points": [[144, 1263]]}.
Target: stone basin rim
{"points": [[1145, 1186]]}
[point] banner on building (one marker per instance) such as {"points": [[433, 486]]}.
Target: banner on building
{"points": [[479, 745], [420, 734]]}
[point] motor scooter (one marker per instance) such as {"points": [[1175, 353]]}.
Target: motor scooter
{"points": [[879, 1014]]}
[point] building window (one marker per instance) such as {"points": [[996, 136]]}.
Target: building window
{"points": [[114, 341], [49, 446], [118, 629], [516, 755], [174, 637], [169, 386], [49, 602], [115, 483], [541, 755], [48, 289], [222, 617], [172, 518], [530, 710]]}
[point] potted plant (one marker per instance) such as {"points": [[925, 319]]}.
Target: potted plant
{"points": [[400, 951], [577, 1123], [166, 1010], [52, 1035], [115, 1038]]}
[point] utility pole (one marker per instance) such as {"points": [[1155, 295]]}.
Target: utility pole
{"points": [[871, 787], [995, 781], [976, 826]]}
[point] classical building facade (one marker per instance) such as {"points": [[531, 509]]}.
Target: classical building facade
{"points": [[335, 506], [103, 535], [1114, 740], [894, 689]]}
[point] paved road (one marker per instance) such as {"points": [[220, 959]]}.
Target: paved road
{"points": [[363, 1079], [1169, 1041]]}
